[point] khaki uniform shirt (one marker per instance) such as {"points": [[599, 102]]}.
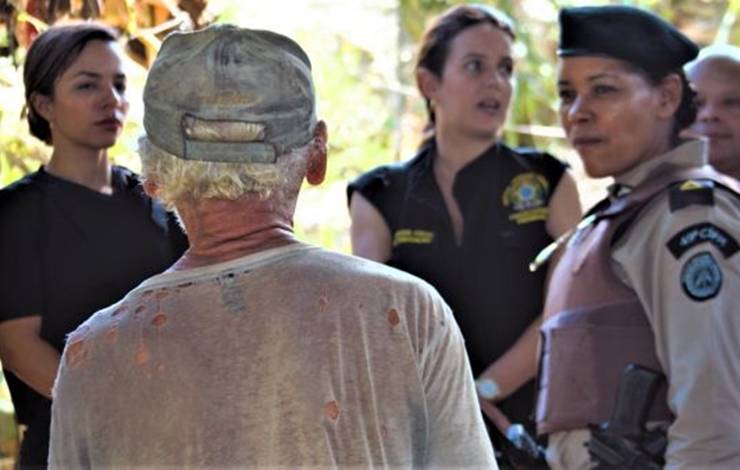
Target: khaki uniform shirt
{"points": [[683, 266]]}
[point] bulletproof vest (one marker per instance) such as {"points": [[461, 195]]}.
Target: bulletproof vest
{"points": [[594, 325]]}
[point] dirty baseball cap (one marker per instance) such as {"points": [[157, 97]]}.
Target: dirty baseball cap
{"points": [[229, 94]]}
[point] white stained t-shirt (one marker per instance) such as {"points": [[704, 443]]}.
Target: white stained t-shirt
{"points": [[290, 357]]}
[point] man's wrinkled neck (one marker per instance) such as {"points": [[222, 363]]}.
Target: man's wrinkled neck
{"points": [[221, 230]]}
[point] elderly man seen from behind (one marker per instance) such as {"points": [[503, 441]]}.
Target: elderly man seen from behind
{"points": [[254, 349], [715, 76]]}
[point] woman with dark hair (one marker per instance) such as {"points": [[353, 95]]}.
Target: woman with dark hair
{"points": [[468, 213], [649, 279], [78, 233]]}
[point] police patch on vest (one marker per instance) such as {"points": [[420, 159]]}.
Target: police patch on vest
{"points": [[702, 233], [701, 277], [527, 195], [416, 237]]}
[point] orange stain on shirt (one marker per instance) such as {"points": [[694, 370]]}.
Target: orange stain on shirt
{"points": [[76, 353], [142, 354], [331, 410], [112, 334], [159, 319], [393, 317]]}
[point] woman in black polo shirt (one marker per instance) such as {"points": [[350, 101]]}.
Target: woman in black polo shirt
{"points": [[78, 233], [468, 213]]}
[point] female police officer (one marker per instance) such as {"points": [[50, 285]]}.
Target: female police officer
{"points": [[649, 275]]}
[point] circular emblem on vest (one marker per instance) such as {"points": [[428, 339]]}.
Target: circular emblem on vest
{"points": [[701, 277]]}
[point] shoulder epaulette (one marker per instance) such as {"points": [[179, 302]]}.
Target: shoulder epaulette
{"points": [[699, 192]]}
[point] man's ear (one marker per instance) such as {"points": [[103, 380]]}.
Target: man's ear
{"points": [[42, 105], [316, 169], [150, 188], [671, 90]]}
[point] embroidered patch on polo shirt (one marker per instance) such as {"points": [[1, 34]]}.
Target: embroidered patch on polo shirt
{"points": [[409, 236], [527, 195]]}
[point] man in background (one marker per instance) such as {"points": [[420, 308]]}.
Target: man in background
{"points": [[715, 76]]}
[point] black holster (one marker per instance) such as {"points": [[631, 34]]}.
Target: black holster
{"points": [[624, 442]]}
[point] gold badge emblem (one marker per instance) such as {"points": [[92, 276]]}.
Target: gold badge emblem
{"points": [[526, 195]]}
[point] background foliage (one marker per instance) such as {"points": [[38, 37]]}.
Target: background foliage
{"points": [[362, 52]]}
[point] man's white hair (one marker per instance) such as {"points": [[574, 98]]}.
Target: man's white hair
{"points": [[178, 179]]}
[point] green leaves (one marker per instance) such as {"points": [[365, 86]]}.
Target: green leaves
{"points": [[362, 53]]}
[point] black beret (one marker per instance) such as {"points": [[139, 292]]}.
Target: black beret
{"points": [[627, 33]]}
